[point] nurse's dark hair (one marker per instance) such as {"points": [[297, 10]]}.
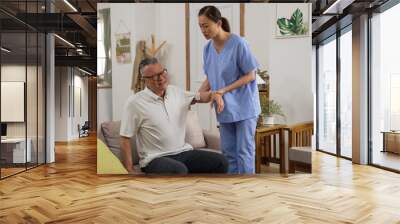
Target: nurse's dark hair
{"points": [[213, 13], [145, 62]]}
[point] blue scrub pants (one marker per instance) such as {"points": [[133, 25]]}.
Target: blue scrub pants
{"points": [[238, 145]]}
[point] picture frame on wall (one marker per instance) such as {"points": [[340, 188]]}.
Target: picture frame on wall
{"points": [[123, 48], [293, 20]]}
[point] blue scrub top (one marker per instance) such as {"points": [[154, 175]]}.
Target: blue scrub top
{"points": [[234, 61]]}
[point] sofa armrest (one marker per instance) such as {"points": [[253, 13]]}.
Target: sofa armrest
{"points": [[212, 139]]}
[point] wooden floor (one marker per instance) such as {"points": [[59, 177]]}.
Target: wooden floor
{"points": [[387, 159], [69, 191]]}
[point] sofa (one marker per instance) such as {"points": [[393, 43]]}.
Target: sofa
{"points": [[200, 139]]}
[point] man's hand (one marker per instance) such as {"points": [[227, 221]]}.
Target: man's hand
{"points": [[217, 97], [131, 170]]}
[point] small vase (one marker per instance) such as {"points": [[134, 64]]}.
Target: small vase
{"points": [[260, 121], [269, 120]]}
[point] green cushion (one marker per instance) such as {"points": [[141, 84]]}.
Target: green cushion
{"points": [[107, 162]]}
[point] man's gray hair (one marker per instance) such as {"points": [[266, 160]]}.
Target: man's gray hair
{"points": [[145, 62]]}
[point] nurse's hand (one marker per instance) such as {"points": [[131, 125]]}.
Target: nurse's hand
{"points": [[217, 97]]}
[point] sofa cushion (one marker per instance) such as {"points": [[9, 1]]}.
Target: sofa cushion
{"points": [[194, 133], [112, 138], [300, 154]]}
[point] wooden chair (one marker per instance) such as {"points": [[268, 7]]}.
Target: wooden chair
{"points": [[299, 153]]}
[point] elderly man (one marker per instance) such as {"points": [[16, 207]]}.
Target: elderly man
{"points": [[157, 117]]}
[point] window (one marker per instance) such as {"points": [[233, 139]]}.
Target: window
{"points": [[327, 96], [346, 93], [385, 89]]}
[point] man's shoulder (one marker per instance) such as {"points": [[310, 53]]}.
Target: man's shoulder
{"points": [[175, 89], [135, 98]]}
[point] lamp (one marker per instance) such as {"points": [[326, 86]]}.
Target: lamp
{"points": [[5, 50], [84, 71], [64, 40], [70, 5]]}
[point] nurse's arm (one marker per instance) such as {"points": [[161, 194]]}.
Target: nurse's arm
{"points": [[205, 86], [202, 97], [238, 83]]}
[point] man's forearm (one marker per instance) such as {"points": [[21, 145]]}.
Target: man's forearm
{"points": [[127, 153], [202, 97]]}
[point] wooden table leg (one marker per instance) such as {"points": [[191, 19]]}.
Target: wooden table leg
{"points": [[258, 153], [268, 149], [282, 153]]}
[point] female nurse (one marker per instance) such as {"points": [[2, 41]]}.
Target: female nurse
{"points": [[230, 69]]}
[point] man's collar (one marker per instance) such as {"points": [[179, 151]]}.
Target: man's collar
{"points": [[154, 96]]}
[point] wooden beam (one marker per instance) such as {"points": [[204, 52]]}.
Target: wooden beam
{"points": [[242, 13], [187, 44]]}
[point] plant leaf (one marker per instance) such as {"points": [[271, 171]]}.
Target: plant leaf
{"points": [[283, 25], [294, 25]]}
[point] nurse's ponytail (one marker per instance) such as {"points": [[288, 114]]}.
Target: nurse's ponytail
{"points": [[213, 13], [225, 25]]}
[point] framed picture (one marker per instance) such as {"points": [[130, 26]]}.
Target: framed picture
{"points": [[293, 20], [123, 48]]}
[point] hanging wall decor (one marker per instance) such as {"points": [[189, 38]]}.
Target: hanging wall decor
{"points": [[293, 20], [123, 48]]}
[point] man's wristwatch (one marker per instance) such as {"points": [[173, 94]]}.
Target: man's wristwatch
{"points": [[197, 96]]}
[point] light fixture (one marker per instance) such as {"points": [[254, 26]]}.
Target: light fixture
{"points": [[70, 5], [65, 41], [84, 71], [337, 7], [5, 50]]}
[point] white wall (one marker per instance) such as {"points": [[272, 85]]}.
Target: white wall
{"points": [[104, 109], [104, 95], [142, 20], [173, 55], [66, 121], [288, 62], [61, 104]]}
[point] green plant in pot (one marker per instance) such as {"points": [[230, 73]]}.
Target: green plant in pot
{"points": [[270, 109]]}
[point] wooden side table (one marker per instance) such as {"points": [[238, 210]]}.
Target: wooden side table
{"points": [[263, 136], [391, 141]]}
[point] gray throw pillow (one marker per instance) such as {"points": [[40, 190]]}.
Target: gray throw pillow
{"points": [[112, 139], [194, 133]]}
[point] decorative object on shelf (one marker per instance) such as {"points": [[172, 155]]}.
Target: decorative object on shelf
{"points": [[142, 52], [269, 109], [292, 20], [262, 78], [137, 83]]}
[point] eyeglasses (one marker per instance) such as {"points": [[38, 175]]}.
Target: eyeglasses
{"points": [[157, 76]]}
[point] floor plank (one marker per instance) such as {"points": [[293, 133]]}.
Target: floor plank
{"points": [[70, 191]]}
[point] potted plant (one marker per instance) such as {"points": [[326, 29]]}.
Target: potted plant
{"points": [[269, 109]]}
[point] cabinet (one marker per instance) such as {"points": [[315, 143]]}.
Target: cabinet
{"points": [[13, 150]]}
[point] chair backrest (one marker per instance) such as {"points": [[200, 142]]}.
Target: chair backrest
{"points": [[86, 125], [300, 134]]}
